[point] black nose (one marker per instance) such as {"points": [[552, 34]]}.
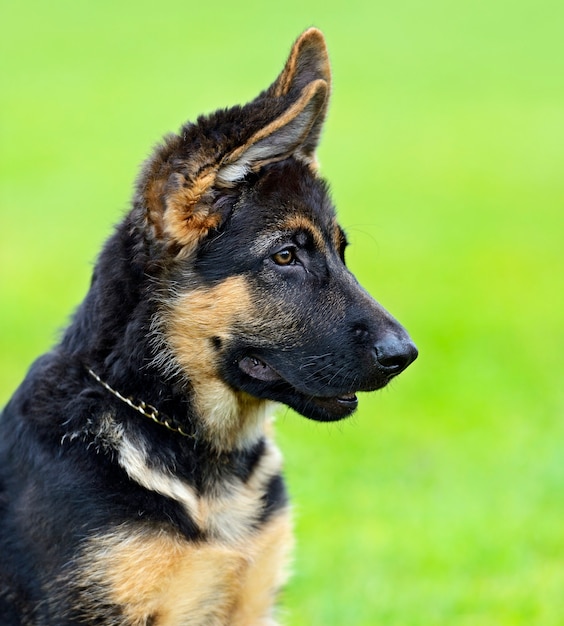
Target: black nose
{"points": [[395, 353]]}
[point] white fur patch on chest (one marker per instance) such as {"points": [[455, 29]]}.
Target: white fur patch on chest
{"points": [[227, 515]]}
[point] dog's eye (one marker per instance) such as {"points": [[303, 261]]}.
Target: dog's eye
{"points": [[287, 256]]}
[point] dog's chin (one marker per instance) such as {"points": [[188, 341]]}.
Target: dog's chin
{"points": [[331, 409], [264, 381]]}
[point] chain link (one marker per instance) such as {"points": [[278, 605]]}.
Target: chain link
{"points": [[148, 410]]}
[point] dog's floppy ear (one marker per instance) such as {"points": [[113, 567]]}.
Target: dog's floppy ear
{"points": [[180, 183]]}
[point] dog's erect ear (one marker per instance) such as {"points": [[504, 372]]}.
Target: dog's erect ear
{"points": [[289, 134], [308, 62], [304, 83], [180, 183]]}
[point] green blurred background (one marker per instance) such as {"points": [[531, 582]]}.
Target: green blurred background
{"points": [[442, 500]]}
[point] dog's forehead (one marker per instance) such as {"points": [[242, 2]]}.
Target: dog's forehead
{"points": [[290, 197]]}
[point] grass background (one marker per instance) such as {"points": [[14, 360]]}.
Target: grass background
{"points": [[441, 501]]}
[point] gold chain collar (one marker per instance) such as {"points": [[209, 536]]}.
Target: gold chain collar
{"points": [[142, 407]]}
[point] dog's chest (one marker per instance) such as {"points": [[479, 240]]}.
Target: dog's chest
{"points": [[156, 576], [164, 580]]}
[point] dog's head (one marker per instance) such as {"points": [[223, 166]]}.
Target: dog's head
{"points": [[260, 303]]}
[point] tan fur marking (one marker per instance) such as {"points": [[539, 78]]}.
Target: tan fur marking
{"points": [[153, 573], [154, 195], [187, 218], [156, 173], [300, 222], [267, 572], [338, 239], [229, 417]]}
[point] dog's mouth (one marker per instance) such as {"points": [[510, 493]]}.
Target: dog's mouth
{"points": [[333, 407]]}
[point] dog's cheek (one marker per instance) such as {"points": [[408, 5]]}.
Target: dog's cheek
{"points": [[199, 322], [198, 325]]}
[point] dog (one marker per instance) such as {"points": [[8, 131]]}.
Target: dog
{"points": [[139, 481]]}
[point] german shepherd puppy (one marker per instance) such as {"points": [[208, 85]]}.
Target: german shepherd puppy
{"points": [[139, 482]]}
